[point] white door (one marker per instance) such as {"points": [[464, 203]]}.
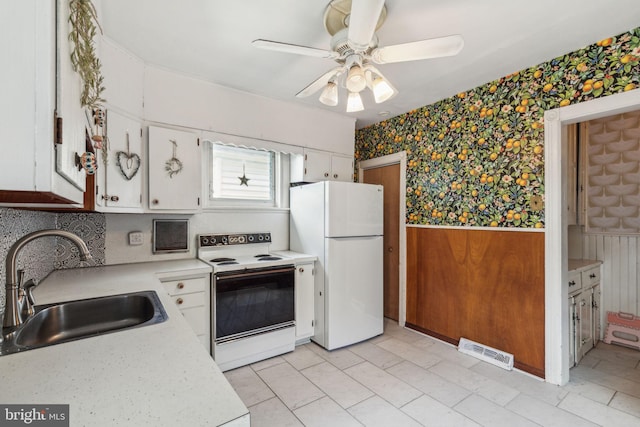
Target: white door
{"points": [[353, 209], [353, 290]]}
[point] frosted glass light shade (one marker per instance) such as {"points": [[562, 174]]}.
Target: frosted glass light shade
{"points": [[356, 81], [382, 90], [354, 102], [329, 95]]}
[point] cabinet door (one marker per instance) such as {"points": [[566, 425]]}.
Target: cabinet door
{"points": [[572, 332], [304, 301], [572, 174], [585, 331], [341, 168], [121, 177], [174, 169], [74, 118], [317, 165], [595, 304]]}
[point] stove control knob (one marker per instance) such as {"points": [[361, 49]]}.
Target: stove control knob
{"points": [[260, 237], [204, 241], [251, 237], [267, 237], [224, 240]]}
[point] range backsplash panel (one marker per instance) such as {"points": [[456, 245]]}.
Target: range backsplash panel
{"points": [[477, 158]]}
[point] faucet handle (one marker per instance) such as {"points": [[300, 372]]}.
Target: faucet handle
{"points": [[20, 277], [29, 300]]}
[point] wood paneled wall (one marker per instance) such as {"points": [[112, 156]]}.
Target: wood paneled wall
{"points": [[487, 286], [620, 270]]}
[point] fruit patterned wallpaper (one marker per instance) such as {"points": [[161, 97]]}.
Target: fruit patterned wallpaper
{"points": [[477, 158]]}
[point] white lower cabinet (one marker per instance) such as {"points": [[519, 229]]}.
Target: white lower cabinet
{"points": [[192, 296], [304, 283], [584, 312]]}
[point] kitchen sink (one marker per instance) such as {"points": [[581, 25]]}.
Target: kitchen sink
{"points": [[73, 320]]}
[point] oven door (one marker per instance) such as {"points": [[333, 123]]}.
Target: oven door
{"points": [[251, 302]]}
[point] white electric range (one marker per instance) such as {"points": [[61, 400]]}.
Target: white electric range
{"points": [[253, 309]]}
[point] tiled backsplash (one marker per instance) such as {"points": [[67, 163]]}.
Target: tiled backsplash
{"points": [[35, 259]]}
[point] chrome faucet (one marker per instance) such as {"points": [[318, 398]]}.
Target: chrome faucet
{"points": [[19, 300]]}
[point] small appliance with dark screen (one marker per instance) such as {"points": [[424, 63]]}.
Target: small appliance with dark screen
{"points": [[170, 235]]}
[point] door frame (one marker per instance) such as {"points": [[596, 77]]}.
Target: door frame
{"points": [[556, 222], [388, 160]]}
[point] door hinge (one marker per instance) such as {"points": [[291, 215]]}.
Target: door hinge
{"points": [[57, 128], [313, 271], [198, 201], [140, 132], [198, 142], [312, 323]]}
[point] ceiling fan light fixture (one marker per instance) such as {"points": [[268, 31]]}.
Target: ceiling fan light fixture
{"points": [[356, 81], [354, 102], [382, 89], [329, 95]]}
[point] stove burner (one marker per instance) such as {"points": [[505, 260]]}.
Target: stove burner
{"points": [[227, 262], [269, 258], [222, 259], [261, 255]]}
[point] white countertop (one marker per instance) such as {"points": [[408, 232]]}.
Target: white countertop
{"points": [[582, 264], [158, 375], [298, 258]]}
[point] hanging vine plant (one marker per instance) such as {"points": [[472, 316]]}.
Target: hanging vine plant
{"points": [[84, 60]]}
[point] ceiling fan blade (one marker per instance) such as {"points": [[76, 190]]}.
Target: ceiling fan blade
{"points": [[294, 48], [362, 22], [423, 49], [319, 83]]}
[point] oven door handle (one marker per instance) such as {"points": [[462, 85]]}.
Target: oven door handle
{"points": [[255, 273]]}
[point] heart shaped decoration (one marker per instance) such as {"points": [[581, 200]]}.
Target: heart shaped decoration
{"points": [[129, 163]]}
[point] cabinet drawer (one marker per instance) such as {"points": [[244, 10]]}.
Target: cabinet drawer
{"points": [[185, 286], [189, 300], [575, 282], [591, 277]]}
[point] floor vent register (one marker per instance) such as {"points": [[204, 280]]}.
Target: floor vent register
{"points": [[488, 354]]}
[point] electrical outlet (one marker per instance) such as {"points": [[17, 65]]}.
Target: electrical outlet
{"points": [[136, 238]]}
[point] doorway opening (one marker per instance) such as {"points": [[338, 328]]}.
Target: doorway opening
{"points": [[556, 222], [390, 171]]}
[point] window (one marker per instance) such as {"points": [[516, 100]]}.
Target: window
{"points": [[240, 176]]}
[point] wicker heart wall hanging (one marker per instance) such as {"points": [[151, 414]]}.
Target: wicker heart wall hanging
{"points": [[129, 163]]}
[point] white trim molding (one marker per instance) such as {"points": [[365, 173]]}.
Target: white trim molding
{"points": [[392, 159], [556, 224]]}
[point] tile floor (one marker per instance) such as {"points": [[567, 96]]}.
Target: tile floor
{"points": [[403, 378]]}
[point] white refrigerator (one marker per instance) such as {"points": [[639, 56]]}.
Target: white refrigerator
{"points": [[341, 224]]}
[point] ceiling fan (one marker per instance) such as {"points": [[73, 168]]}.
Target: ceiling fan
{"points": [[354, 46]]}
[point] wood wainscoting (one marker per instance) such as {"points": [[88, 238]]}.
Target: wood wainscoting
{"points": [[487, 286]]}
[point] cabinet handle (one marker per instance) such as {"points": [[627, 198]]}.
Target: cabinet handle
{"points": [[179, 301], [155, 201], [301, 270], [335, 175], [112, 198], [572, 283], [180, 285], [592, 276], [326, 174]]}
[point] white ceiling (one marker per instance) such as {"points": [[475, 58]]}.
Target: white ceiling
{"points": [[211, 39]]}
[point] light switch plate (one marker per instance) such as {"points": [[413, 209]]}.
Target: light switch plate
{"points": [[136, 238]]}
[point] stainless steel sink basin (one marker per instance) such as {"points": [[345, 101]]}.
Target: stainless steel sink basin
{"points": [[66, 321]]}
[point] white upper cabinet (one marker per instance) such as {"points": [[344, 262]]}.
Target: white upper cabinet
{"points": [[41, 171], [121, 167], [175, 159], [316, 165]]}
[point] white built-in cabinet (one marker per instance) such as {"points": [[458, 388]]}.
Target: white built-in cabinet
{"points": [[192, 295], [40, 86], [174, 165], [317, 165], [304, 309], [121, 169], [584, 310]]}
